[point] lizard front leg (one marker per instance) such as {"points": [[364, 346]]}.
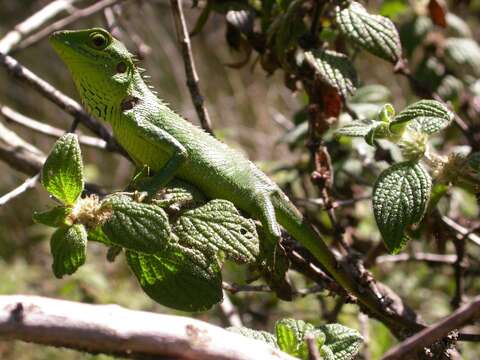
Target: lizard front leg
{"points": [[164, 142]]}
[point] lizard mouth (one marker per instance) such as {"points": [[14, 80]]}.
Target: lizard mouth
{"points": [[67, 49]]}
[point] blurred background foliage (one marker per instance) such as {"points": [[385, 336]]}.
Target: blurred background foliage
{"points": [[255, 112]]}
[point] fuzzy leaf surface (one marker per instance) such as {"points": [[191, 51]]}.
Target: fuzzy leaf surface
{"points": [[55, 217], [62, 173], [68, 246], [179, 277], [400, 198], [376, 34], [343, 342], [291, 336], [462, 57], [335, 69], [137, 226], [264, 336], [356, 128], [426, 116], [218, 225]]}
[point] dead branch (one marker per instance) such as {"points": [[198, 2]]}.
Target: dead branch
{"points": [[190, 70], [62, 23], [43, 128], [26, 185], [33, 23], [429, 335], [19, 154], [111, 329]]}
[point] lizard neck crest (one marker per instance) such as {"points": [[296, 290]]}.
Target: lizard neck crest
{"points": [[103, 71]]}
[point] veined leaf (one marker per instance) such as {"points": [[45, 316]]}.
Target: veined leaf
{"points": [[62, 173], [356, 128], [179, 277], [400, 197], [69, 249], [462, 56], [343, 342], [255, 334], [374, 33], [217, 225], [426, 116], [178, 193], [136, 226], [56, 217], [375, 93], [291, 336], [335, 69]]}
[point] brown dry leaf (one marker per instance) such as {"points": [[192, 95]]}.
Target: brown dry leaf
{"points": [[438, 12]]}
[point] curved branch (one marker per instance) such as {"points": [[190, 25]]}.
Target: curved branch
{"points": [[111, 329], [461, 317]]}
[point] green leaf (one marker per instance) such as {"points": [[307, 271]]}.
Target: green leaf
{"points": [[56, 217], [386, 113], [98, 235], [217, 225], [178, 193], [474, 161], [375, 93], [291, 336], [335, 69], [69, 249], [356, 128], [179, 277], [400, 197], [136, 226], [380, 130], [255, 334], [62, 173], [343, 342], [374, 33], [426, 116], [462, 57]]}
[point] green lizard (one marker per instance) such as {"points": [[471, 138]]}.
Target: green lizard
{"points": [[112, 88]]}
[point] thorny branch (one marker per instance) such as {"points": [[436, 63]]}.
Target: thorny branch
{"points": [[461, 317], [190, 70]]}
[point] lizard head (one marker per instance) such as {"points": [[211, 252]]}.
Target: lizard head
{"points": [[101, 66]]}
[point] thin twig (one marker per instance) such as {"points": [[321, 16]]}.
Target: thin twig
{"points": [[62, 23], [429, 335], [45, 129], [63, 101], [111, 329], [34, 22], [425, 257], [461, 230], [19, 154], [313, 353], [28, 184], [365, 331], [190, 70], [459, 269], [229, 311]]}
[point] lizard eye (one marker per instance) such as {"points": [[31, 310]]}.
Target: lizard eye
{"points": [[99, 41]]}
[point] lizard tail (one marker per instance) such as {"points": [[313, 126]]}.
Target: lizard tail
{"points": [[297, 226]]}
